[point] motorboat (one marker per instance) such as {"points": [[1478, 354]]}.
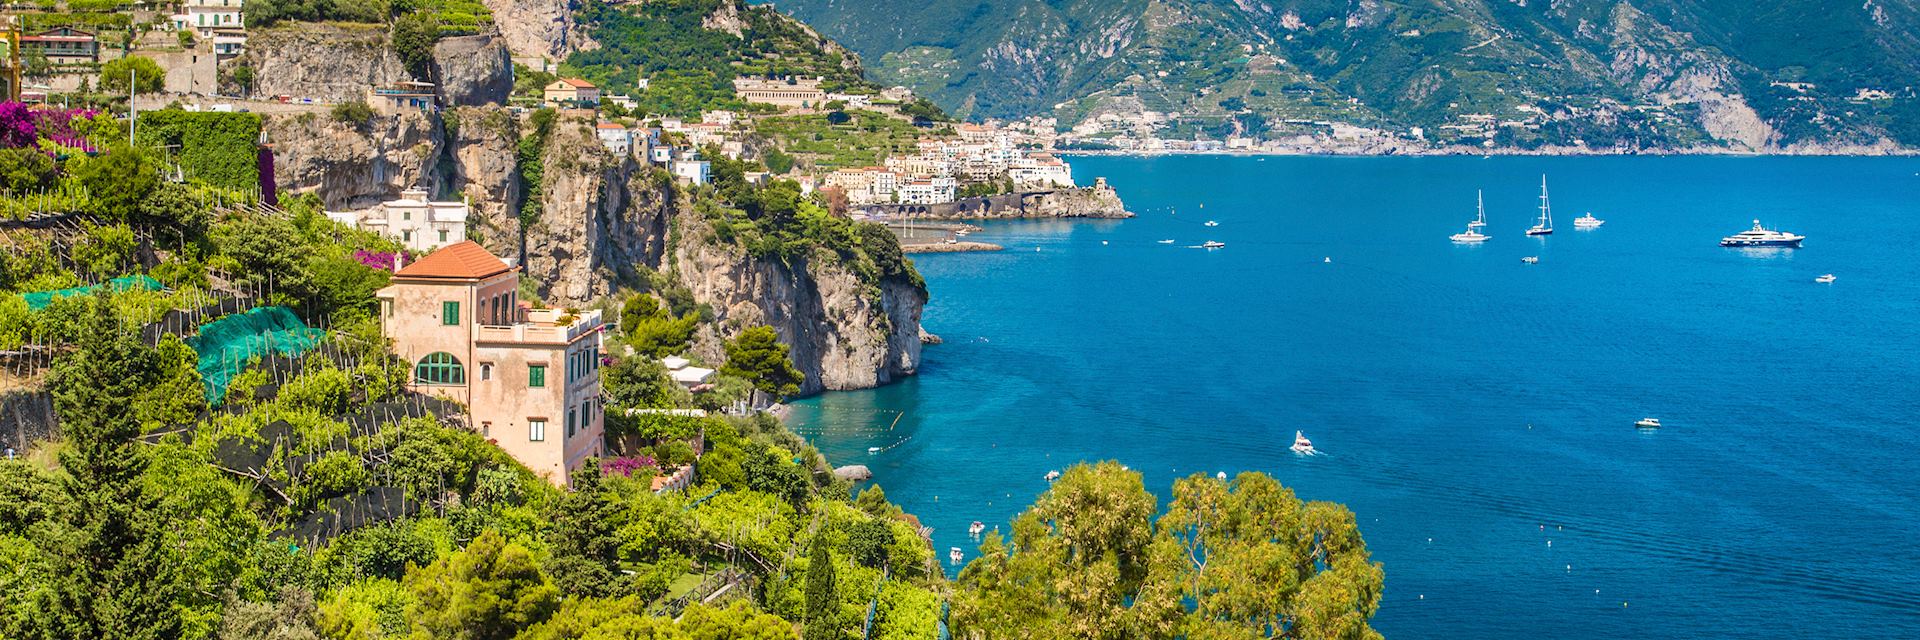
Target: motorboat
{"points": [[1052, 476], [1543, 226], [1826, 279], [1760, 236], [1587, 222], [1301, 444], [1648, 423], [975, 528], [1212, 244], [1531, 259], [1167, 241], [1211, 223], [873, 450], [954, 555], [1469, 236]]}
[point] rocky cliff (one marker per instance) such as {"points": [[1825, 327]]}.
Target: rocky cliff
{"points": [[601, 216], [539, 28], [353, 165], [332, 63], [843, 333], [325, 62]]}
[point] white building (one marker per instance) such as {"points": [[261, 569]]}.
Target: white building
{"points": [[419, 225], [615, 137], [204, 16], [683, 372], [698, 172], [927, 190], [720, 117], [1040, 170]]}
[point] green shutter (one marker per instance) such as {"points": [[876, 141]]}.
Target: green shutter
{"points": [[450, 313], [536, 376]]}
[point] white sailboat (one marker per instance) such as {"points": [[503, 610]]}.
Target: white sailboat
{"points": [[1472, 234], [1545, 225]]}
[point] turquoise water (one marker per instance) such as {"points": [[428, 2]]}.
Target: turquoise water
{"points": [[1471, 408]]}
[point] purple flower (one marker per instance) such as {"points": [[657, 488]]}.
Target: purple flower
{"points": [[17, 128], [625, 466], [376, 259]]}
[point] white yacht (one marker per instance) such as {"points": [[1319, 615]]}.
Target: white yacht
{"points": [[1531, 259], [1545, 225], [1587, 222], [1472, 234], [1826, 279], [1211, 223], [1760, 236], [1167, 241], [1212, 244], [975, 528], [1301, 444], [954, 555], [1648, 423]]}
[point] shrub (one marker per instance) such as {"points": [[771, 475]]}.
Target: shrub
{"points": [[355, 113]]}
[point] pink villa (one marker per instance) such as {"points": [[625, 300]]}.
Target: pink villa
{"points": [[530, 378]]}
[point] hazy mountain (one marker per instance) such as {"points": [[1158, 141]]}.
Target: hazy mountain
{"points": [[1646, 73]]}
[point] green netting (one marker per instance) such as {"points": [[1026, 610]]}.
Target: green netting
{"points": [[40, 299], [228, 344]]}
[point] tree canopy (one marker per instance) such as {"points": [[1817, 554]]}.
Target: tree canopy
{"points": [[757, 356]]}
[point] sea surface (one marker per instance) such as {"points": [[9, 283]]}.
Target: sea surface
{"points": [[1474, 411]]}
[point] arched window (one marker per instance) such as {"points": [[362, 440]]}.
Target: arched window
{"points": [[439, 368]]}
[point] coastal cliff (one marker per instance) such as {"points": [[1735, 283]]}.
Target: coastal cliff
{"points": [[842, 333], [353, 165]]}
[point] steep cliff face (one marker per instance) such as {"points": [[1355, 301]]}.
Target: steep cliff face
{"points": [[539, 28], [479, 164], [600, 217], [335, 63], [325, 62], [843, 334], [354, 165], [472, 70]]}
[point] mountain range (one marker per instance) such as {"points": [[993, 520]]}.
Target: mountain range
{"points": [[1781, 75]]}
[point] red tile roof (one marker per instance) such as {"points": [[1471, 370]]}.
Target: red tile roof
{"points": [[577, 83], [466, 260]]}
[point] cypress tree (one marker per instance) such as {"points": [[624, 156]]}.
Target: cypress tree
{"points": [[822, 595], [115, 577]]}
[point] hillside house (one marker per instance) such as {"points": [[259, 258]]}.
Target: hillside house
{"points": [[567, 92], [205, 17], [615, 137], [791, 92], [419, 224], [63, 45], [530, 378]]}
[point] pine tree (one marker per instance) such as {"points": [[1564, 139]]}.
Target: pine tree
{"points": [[116, 578]]}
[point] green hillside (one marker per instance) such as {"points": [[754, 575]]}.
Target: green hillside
{"points": [[1645, 74]]}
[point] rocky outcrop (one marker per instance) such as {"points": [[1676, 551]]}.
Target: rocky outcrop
{"points": [[601, 217], [842, 333], [472, 70], [480, 154], [1098, 201], [26, 419], [539, 28], [354, 165], [325, 62]]}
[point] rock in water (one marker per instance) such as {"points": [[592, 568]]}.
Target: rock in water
{"points": [[853, 472]]}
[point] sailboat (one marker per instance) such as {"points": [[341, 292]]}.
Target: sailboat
{"points": [[1543, 227], [1472, 234]]}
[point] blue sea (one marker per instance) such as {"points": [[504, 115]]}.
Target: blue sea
{"points": [[1475, 412]]}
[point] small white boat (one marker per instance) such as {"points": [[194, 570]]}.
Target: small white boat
{"points": [[873, 450], [1329, 260], [1221, 475], [1053, 475], [1211, 244], [975, 528], [1826, 279], [954, 555], [1103, 243], [1587, 222], [1544, 226], [1531, 259], [1211, 223], [1648, 423], [1167, 241], [1301, 444]]}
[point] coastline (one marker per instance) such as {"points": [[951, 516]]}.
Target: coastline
{"points": [[950, 247]]}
